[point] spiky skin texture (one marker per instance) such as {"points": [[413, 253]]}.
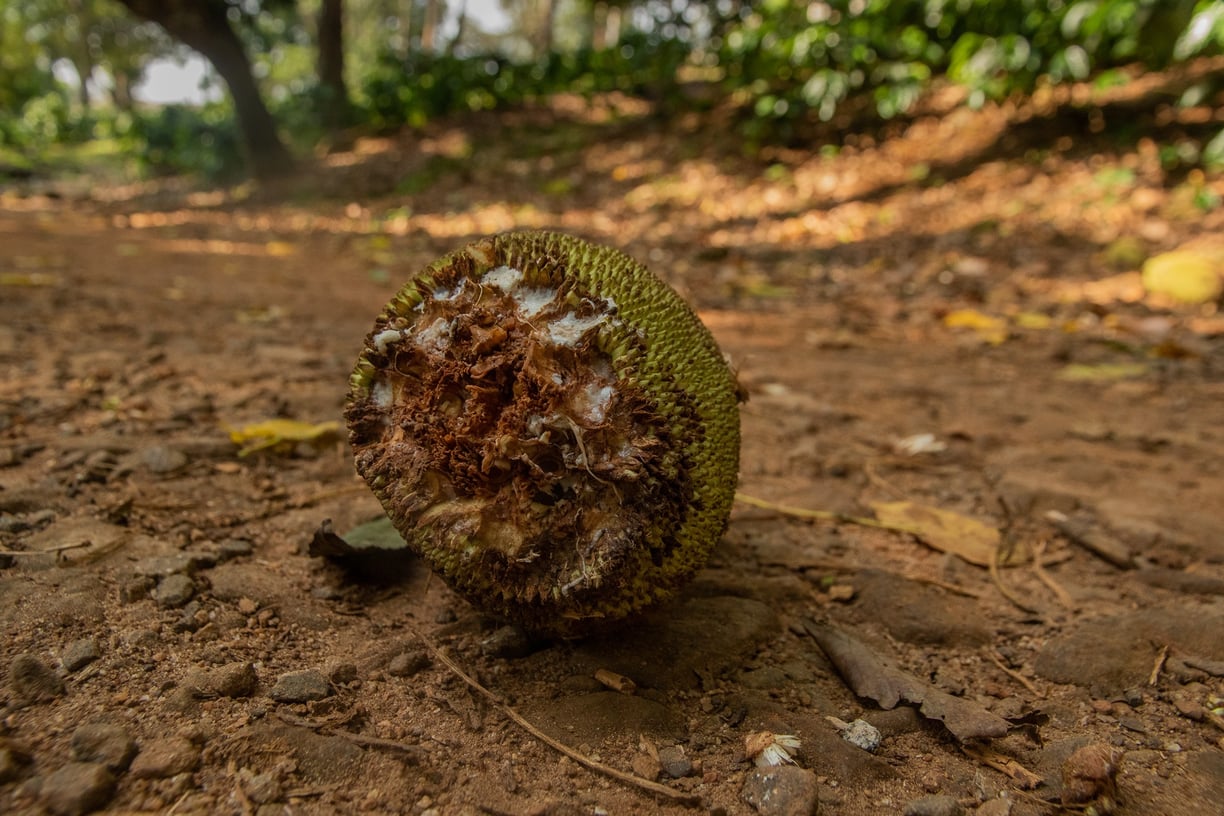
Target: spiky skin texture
{"points": [[550, 427]]}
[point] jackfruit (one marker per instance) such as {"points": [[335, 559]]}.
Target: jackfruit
{"points": [[550, 427]]}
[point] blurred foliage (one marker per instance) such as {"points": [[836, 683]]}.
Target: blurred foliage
{"points": [[781, 65]]}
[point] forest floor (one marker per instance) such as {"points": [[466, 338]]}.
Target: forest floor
{"points": [[945, 314]]}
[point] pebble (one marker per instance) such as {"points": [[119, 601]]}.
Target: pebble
{"points": [[300, 687], [104, 744], [786, 790], [674, 763], [80, 653], [174, 591], [406, 664], [507, 642], [32, 680], [934, 806], [341, 673], [163, 459], [160, 566], [231, 680], [77, 788], [994, 807], [862, 734], [12, 758], [235, 548], [165, 757]]}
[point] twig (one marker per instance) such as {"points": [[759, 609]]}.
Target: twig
{"points": [[953, 588], [817, 515], [1092, 539], [56, 550], [1159, 665], [1039, 570], [998, 582], [522, 722], [1015, 675], [1004, 764], [413, 751]]}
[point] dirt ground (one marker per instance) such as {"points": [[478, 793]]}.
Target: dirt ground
{"points": [[948, 313]]}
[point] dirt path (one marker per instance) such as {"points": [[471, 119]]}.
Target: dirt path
{"points": [[969, 281]]}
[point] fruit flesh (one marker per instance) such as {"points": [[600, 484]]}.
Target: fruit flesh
{"points": [[550, 427]]}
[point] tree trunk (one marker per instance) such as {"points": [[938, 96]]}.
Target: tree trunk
{"points": [[204, 26], [547, 24], [335, 109], [429, 25], [459, 29]]}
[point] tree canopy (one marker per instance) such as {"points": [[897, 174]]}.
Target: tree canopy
{"points": [[298, 71]]}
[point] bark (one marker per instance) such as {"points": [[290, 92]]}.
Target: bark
{"points": [[335, 108], [429, 25], [546, 28], [204, 26]]}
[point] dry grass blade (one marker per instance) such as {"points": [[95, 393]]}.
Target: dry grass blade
{"points": [[1023, 777], [811, 515], [1063, 596], [1003, 590], [617, 774], [1015, 675]]}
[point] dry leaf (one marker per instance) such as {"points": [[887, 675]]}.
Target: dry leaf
{"points": [[869, 675], [272, 433], [1104, 372], [942, 529], [1184, 275], [992, 330]]}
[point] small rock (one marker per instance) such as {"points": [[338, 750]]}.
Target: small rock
{"points": [[104, 744], [300, 687], [406, 664], [934, 806], [166, 757], [163, 459], [674, 763], [785, 790], [174, 590], [80, 653], [160, 566], [77, 788], [12, 758], [994, 807], [340, 673], [235, 548], [262, 788], [32, 680], [135, 589], [1089, 777], [231, 680], [862, 734], [507, 642]]}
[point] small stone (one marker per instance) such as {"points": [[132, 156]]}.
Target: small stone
{"points": [[507, 642], [80, 653], [1189, 707], [160, 566], [231, 680], [165, 757], [135, 589], [12, 758], [235, 548], [262, 788], [104, 744], [994, 807], [33, 681], [300, 687], [341, 673], [938, 805], [163, 459], [174, 590], [674, 763], [78, 788], [1089, 777], [406, 664], [784, 790], [862, 734]]}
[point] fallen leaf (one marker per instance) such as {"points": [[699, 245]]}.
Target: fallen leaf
{"points": [[942, 529], [869, 675], [1101, 372], [371, 536], [992, 330], [280, 249], [1032, 320], [1184, 275], [273, 433], [28, 279]]}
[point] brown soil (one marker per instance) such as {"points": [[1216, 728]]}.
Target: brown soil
{"points": [[139, 325]]}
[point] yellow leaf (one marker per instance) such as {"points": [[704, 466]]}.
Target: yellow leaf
{"points": [[28, 279], [279, 249], [1033, 320], [942, 529], [1104, 372], [273, 433], [1184, 275], [992, 330]]}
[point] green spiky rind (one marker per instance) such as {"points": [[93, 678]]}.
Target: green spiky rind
{"points": [[660, 348]]}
